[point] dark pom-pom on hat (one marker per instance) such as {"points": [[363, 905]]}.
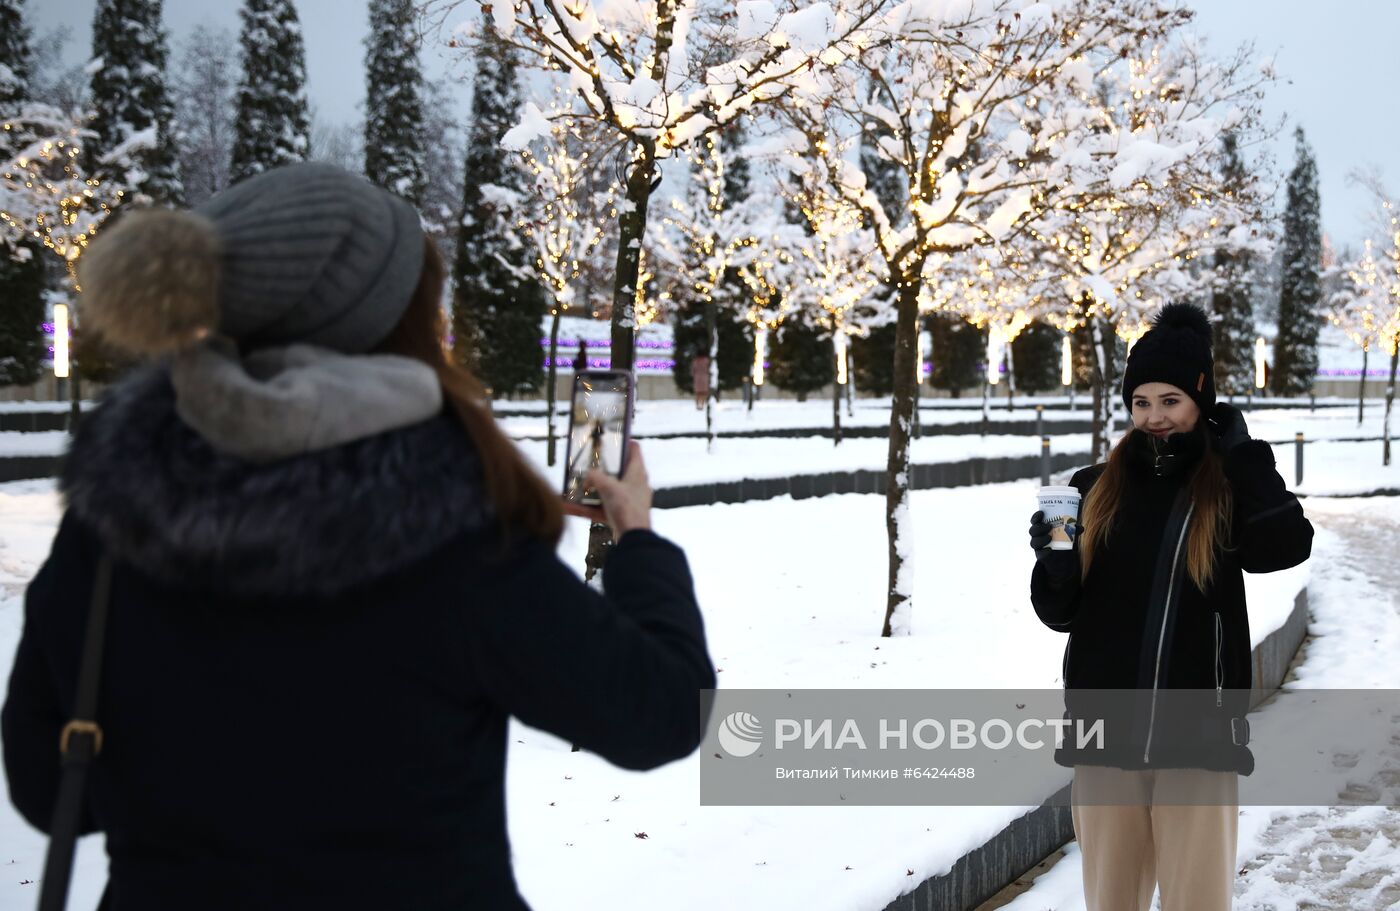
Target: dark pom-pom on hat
{"points": [[1183, 316], [1177, 351]]}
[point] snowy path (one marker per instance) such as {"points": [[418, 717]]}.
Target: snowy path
{"points": [[1341, 857], [1322, 858]]}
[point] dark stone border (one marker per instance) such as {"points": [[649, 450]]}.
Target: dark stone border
{"points": [[799, 487], [985, 871], [33, 421], [880, 431], [922, 477], [29, 468], [1083, 398]]}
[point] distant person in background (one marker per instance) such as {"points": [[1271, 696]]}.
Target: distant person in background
{"points": [[333, 581], [1153, 599], [700, 379], [581, 361]]}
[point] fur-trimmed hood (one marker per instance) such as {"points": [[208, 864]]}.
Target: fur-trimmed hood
{"points": [[162, 499]]}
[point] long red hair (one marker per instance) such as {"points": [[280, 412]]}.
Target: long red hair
{"points": [[523, 501]]}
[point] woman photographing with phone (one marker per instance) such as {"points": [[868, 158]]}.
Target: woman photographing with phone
{"points": [[328, 578], [1153, 598]]}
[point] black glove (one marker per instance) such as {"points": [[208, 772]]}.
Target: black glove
{"points": [[1227, 427], [1060, 565]]}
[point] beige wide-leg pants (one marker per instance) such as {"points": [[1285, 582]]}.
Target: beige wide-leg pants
{"points": [[1176, 828]]}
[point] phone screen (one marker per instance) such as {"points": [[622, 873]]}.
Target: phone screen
{"points": [[598, 422]]}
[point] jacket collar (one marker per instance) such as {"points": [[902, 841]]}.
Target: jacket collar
{"points": [[162, 499], [1173, 457]]}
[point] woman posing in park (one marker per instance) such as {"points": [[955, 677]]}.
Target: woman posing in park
{"points": [[1153, 599]]}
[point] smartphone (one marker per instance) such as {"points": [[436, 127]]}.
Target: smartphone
{"points": [[600, 423]]}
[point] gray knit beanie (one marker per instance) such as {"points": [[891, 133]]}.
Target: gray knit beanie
{"points": [[306, 253]]}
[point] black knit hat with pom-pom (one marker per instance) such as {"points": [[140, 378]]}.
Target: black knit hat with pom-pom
{"points": [[1175, 350]]}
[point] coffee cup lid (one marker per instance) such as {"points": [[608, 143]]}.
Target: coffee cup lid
{"points": [[1059, 491]]}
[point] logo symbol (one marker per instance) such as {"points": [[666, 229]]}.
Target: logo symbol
{"points": [[740, 734]]}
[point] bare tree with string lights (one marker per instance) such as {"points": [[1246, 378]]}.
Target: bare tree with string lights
{"points": [[564, 220], [47, 196], [991, 117], [1357, 305], [661, 75]]}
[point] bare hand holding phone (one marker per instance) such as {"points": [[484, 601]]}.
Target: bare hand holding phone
{"points": [[626, 502]]}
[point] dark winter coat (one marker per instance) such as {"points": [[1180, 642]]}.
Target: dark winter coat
{"points": [[310, 666], [1139, 623]]}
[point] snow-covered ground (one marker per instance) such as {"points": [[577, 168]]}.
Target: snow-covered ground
{"points": [[684, 461], [44, 405], [1331, 469], [681, 416], [33, 443], [1315, 858], [793, 597], [1328, 467], [672, 416]]}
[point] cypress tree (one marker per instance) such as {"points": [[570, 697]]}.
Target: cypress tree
{"points": [[1035, 354], [733, 330], [872, 360], [959, 349], [800, 357], [394, 140], [1231, 293], [22, 346], [800, 352], [873, 355], [690, 340], [498, 304], [734, 334], [273, 124], [21, 265], [129, 97], [883, 176], [1300, 296]]}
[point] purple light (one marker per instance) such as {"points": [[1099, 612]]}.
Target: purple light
{"points": [[605, 363], [604, 343], [1355, 371]]}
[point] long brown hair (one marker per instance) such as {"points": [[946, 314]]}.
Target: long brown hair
{"points": [[523, 501], [1210, 522]]}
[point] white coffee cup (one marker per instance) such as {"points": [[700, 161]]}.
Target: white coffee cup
{"points": [[1060, 506]]}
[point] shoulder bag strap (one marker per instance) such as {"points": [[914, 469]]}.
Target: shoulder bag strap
{"points": [[78, 745]]}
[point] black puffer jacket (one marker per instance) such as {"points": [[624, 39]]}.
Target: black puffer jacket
{"points": [[310, 666], [1138, 622]]}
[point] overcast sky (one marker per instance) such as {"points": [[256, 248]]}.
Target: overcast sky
{"points": [[1338, 67]]}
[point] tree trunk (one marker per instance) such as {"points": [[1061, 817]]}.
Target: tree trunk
{"points": [[836, 392], [551, 381], [1389, 401], [1361, 395], [1010, 379], [850, 383], [986, 404], [918, 397], [75, 391], [1103, 390], [713, 348], [599, 543], [631, 228], [899, 600]]}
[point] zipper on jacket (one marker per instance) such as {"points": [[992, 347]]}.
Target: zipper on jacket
{"points": [[1219, 667], [1162, 636]]}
